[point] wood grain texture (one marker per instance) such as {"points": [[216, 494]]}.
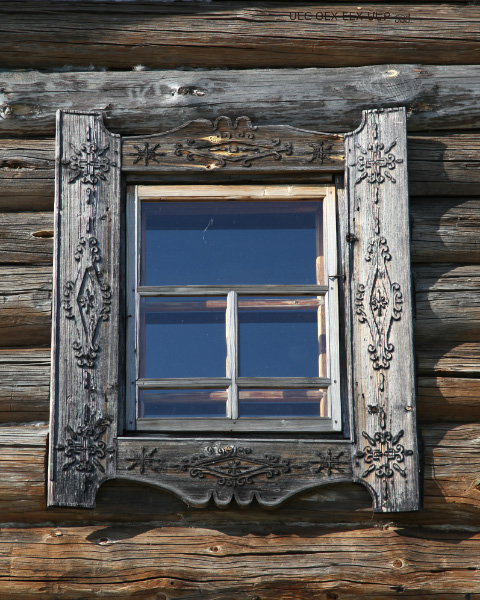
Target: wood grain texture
{"points": [[26, 237], [25, 305], [450, 490], [436, 97], [448, 399], [236, 34], [448, 359], [291, 550], [447, 299], [87, 321], [24, 384], [438, 165], [379, 310], [445, 230]]}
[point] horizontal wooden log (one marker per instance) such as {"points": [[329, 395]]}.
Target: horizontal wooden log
{"points": [[236, 35], [26, 237], [437, 166], [291, 551], [447, 299], [27, 174], [24, 385], [25, 305], [448, 399], [436, 97], [448, 359], [445, 230]]}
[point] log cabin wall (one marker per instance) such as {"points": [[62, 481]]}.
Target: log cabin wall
{"points": [[153, 66]]}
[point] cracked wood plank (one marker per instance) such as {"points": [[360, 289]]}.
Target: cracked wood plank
{"points": [[436, 97], [236, 35]]}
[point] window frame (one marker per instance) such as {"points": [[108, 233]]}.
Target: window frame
{"points": [[88, 443], [330, 382]]}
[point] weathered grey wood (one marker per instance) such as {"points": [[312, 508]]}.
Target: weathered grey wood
{"points": [[87, 312], [27, 174], [26, 238], [445, 230], [25, 305], [448, 358], [439, 97], [379, 310], [438, 165], [238, 146], [447, 300], [198, 470], [24, 384], [236, 34], [451, 498]]}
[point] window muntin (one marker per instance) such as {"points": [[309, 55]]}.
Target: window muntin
{"points": [[276, 393]]}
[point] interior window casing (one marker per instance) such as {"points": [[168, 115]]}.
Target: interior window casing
{"points": [[238, 388]]}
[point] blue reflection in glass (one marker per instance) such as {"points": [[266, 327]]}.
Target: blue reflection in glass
{"points": [[276, 341], [208, 243], [182, 403], [182, 337]]}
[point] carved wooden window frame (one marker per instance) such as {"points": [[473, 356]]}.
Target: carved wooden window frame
{"points": [[88, 444]]}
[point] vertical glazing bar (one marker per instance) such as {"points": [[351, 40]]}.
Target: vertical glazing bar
{"points": [[131, 283], [232, 354]]}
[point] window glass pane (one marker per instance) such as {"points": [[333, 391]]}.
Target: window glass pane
{"points": [[281, 337], [282, 403], [182, 403], [222, 243], [182, 337]]}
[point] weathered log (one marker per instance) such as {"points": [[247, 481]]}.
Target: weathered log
{"points": [[174, 553], [437, 166], [26, 237], [448, 359], [25, 311], [437, 97], [24, 384], [27, 174], [230, 34], [448, 399], [445, 230]]}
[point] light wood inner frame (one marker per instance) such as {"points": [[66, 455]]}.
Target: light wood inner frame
{"points": [[326, 265]]}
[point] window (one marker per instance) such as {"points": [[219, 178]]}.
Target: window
{"points": [[236, 305], [246, 344]]}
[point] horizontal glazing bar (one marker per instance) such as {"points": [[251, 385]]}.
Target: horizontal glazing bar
{"points": [[212, 290], [245, 382], [186, 384]]}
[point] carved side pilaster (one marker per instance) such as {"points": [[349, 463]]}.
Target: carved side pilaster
{"points": [[385, 456], [86, 316]]}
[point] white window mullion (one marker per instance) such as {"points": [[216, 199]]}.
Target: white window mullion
{"points": [[232, 354]]}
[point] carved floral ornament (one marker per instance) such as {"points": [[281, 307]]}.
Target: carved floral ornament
{"points": [[88, 445], [223, 143]]}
